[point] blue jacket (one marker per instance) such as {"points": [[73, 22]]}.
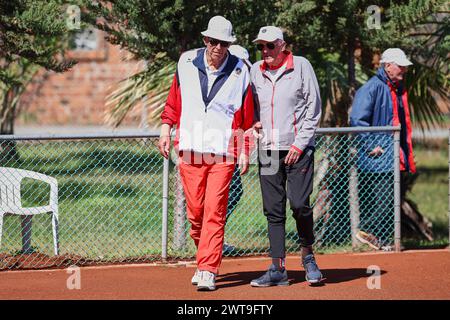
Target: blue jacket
{"points": [[374, 105]]}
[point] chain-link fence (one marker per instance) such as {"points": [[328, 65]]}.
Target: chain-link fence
{"points": [[68, 200]]}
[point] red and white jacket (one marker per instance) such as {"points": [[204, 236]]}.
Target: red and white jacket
{"points": [[209, 123]]}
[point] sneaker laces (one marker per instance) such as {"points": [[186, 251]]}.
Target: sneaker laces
{"points": [[310, 263], [206, 275]]}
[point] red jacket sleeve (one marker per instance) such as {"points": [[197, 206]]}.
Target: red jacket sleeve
{"points": [[248, 110], [248, 121], [172, 109], [243, 120]]}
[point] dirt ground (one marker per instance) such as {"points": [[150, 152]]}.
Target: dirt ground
{"points": [[407, 275]]}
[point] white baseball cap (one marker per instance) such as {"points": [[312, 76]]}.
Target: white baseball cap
{"points": [[395, 55], [239, 51], [269, 34], [220, 28]]}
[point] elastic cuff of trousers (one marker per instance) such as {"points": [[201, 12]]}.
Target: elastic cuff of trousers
{"points": [[306, 244]]}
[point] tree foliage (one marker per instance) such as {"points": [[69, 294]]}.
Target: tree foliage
{"points": [[33, 34], [335, 36], [151, 27], [332, 34], [35, 31]]}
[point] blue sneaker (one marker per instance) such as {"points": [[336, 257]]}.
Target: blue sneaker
{"points": [[272, 277], [313, 274], [228, 249]]}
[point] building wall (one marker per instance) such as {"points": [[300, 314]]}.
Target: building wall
{"points": [[77, 97]]}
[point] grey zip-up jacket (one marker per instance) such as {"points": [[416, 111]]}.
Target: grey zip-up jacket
{"points": [[288, 109]]}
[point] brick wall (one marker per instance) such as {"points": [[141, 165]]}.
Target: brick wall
{"points": [[77, 97]]}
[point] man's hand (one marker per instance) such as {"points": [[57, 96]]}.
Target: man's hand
{"points": [[164, 146], [378, 151], [243, 163], [164, 140], [256, 129], [292, 156]]}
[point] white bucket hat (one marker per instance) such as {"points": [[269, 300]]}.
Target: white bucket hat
{"points": [[395, 55], [269, 34], [220, 28]]}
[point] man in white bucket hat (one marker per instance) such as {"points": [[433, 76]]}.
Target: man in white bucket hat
{"points": [[382, 101], [211, 104], [217, 39], [220, 28]]}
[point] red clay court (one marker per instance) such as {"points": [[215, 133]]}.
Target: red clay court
{"points": [[407, 275]]}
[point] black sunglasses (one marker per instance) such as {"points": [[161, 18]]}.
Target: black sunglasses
{"points": [[269, 45], [215, 42]]}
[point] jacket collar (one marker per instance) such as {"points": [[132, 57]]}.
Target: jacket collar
{"points": [[200, 64], [289, 60], [381, 74]]}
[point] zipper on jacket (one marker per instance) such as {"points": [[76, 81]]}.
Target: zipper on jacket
{"points": [[272, 143]]}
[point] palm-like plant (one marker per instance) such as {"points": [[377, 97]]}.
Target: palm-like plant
{"points": [[428, 80], [428, 85], [153, 85]]}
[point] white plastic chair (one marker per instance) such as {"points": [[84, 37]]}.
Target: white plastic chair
{"points": [[10, 202]]}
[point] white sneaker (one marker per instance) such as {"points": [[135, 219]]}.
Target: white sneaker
{"points": [[207, 281], [195, 277], [369, 239]]}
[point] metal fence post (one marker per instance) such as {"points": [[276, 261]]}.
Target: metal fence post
{"points": [[397, 200], [179, 221], [165, 207], [354, 199]]}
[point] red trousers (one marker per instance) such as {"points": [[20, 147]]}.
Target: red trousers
{"points": [[206, 189]]}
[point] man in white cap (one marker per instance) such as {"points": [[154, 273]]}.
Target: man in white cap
{"points": [[382, 101], [288, 108], [211, 104]]}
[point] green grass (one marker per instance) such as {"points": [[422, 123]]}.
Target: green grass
{"points": [[109, 198], [430, 191], [110, 202]]}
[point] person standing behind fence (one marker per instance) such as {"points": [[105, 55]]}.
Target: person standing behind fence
{"points": [[236, 188], [211, 104], [288, 108], [382, 101]]}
